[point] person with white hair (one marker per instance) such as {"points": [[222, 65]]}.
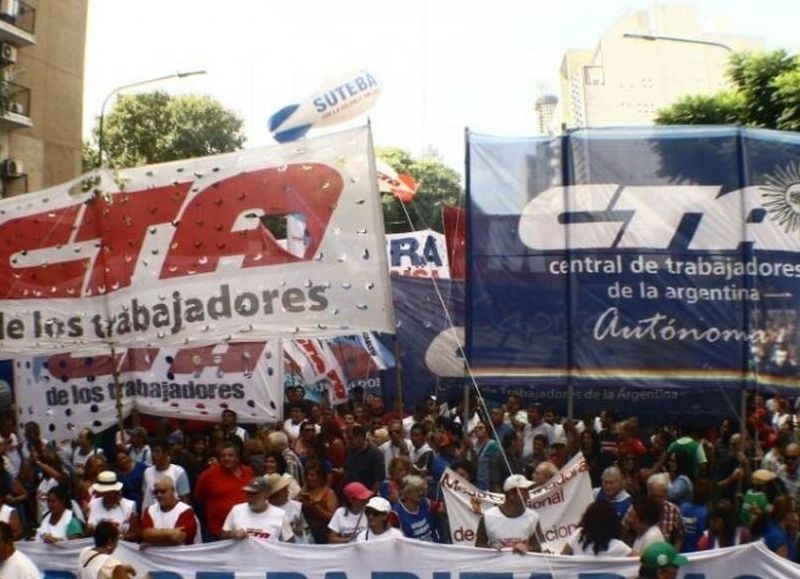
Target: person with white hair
{"points": [[415, 511], [279, 442], [612, 491], [511, 524], [169, 521], [670, 521]]}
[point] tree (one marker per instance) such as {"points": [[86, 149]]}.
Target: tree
{"points": [[766, 93], [723, 108], [157, 127], [439, 185]]}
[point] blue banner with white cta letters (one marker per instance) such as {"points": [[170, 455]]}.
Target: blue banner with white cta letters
{"points": [[635, 257]]}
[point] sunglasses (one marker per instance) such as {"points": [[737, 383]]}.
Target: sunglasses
{"points": [[371, 513]]}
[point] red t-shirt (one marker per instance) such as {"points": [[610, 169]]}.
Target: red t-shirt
{"points": [[218, 490]]}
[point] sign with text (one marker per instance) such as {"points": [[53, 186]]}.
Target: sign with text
{"points": [[418, 254], [391, 559], [196, 252], [560, 504], [66, 392], [666, 256]]}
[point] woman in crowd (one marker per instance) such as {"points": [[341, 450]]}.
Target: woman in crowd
{"points": [[303, 444], [12, 494], [416, 512], [694, 513], [399, 468], [590, 447], [349, 519], [333, 442], [723, 528], [319, 502], [274, 463], [48, 464], [627, 465], [94, 465], [680, 485], [59, 522], [379, 528], [598, 534], [131, 475], [483, 449], [778, 528]]}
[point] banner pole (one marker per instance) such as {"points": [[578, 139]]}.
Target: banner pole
{"points": [[398, 374], [117, 395]]}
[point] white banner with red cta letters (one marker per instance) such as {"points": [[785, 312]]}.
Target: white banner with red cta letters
{"points": [[196, 252], [392, 559], [560, 504], [65, 392]]}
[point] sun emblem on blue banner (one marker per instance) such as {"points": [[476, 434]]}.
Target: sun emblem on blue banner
{"points": [[782, 197]]}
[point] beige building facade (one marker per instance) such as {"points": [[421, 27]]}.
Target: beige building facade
{"points": [[42, 47], [646, 61]]}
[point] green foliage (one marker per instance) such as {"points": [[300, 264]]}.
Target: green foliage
{"points": [[787, 92], [766, 94], [439, 185], [723, 108], [754, 76], [157, 127]]}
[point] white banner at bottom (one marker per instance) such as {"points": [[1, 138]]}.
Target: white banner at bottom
{"points": [[392, 559]]}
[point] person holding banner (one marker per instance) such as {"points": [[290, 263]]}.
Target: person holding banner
{"points": [[349, 519], [416, 512], [379, 528], [13, 563], [97, 562], [256, 517], [169, 522], [598, 534], [511, 524]]}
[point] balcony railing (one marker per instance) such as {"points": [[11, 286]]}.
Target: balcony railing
{"points": [[18, 98], [19, 14], [16, 106]]}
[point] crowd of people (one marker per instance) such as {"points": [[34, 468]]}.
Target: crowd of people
{"points": [[362, 473]]}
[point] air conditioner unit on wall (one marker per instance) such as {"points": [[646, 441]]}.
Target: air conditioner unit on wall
{"points": [[9, 9], [8, 53], [11, 168]]}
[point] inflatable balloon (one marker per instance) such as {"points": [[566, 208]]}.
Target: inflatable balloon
{"points": [[336, 102]]}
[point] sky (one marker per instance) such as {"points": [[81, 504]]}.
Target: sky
{"points": [[443, 65]]}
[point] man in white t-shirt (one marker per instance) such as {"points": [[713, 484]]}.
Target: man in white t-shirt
{"points": [[163, 466], [14, 564], [397, 445], [97, 562], [511, 524], [108, 504], [256, 518]]}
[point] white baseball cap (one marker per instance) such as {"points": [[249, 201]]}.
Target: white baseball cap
{"points": [[516, 481]]}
